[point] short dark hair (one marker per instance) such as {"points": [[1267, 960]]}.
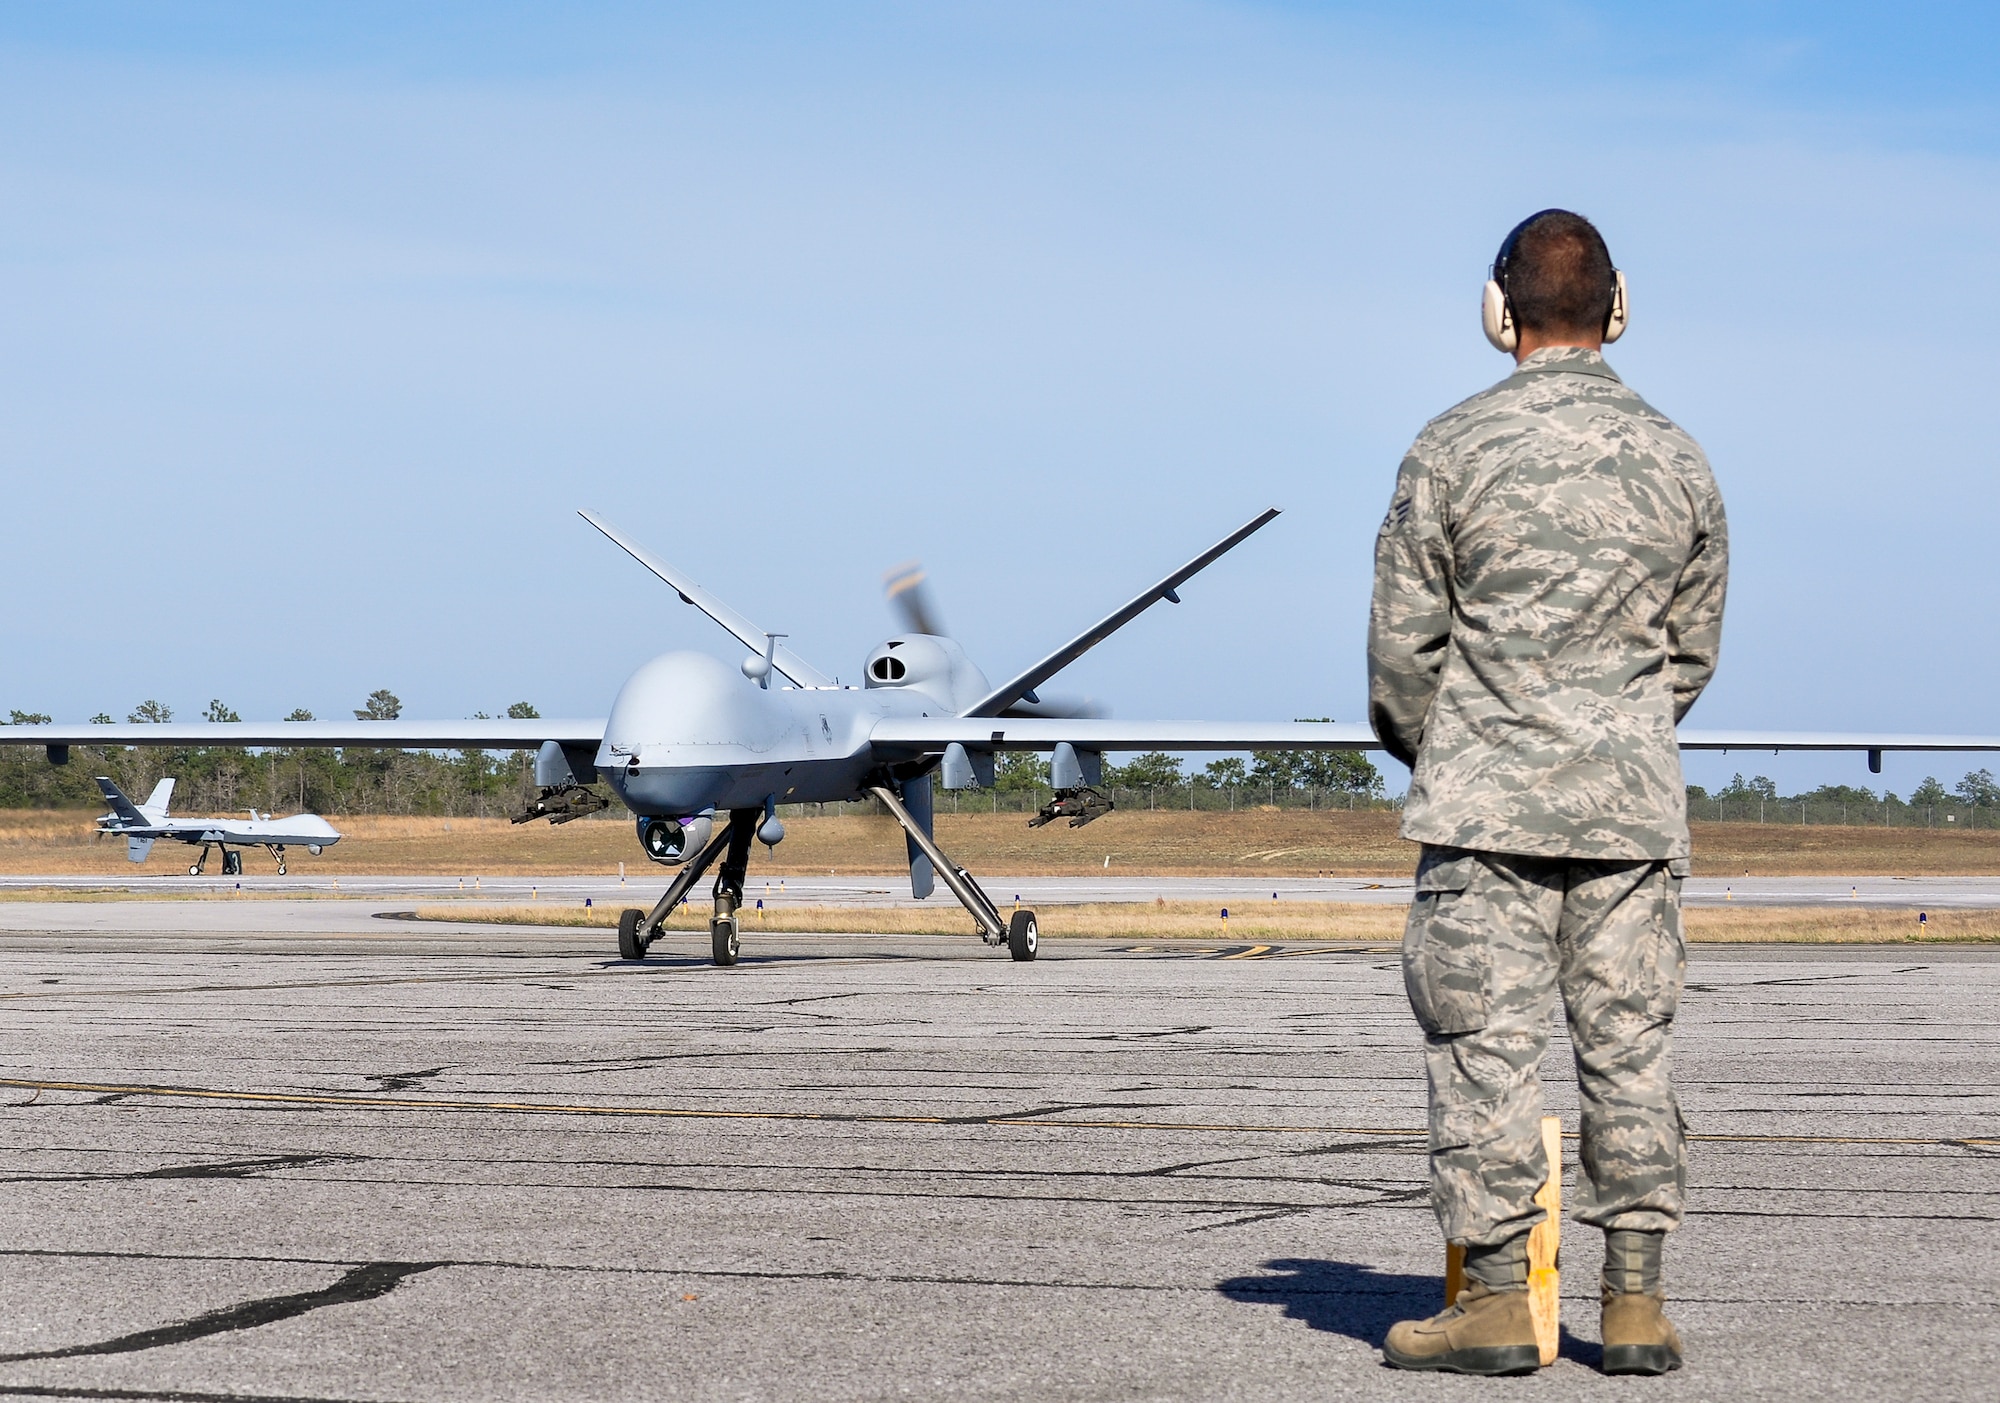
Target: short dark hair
{"points": [[1557, 273]]}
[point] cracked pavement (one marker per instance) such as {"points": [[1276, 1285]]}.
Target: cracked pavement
{"points": [[499, 1164]]}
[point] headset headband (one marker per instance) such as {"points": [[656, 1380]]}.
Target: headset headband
{"points": [[1512, 243]]}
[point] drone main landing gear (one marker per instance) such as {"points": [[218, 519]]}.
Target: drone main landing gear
{"points": [[1020, 935], [277, 850], [200, 863], [639, 929]]}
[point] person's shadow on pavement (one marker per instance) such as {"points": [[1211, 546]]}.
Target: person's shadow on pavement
{"points": [[1346, 1298], [1342, 1298]]}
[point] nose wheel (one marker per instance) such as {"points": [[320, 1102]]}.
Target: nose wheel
{"points": [[638, 929], [724, 938]]}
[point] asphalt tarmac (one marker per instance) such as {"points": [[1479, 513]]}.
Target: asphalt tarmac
{"points": [[645, 883], [397, 1163]]}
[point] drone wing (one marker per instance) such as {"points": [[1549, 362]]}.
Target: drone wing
{"points": [[1873, 743], [910, 736], [504, 733], [916, 735], [1023, 686]]}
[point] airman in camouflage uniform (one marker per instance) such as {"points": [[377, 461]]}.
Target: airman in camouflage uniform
{"points": [[1548, 604]]}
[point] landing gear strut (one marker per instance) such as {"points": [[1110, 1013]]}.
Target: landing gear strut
{"points": [[1020, 934], [200, 863], [277, 850], [639, 929], [723, 937]]}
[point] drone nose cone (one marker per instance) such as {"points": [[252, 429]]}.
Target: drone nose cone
{"points": [[689, 699], [679, 722]]}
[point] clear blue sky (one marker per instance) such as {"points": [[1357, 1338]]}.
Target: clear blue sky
{"points": [[317, 322]]}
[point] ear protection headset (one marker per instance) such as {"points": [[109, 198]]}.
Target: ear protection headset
{"points": [[1496, 313]]}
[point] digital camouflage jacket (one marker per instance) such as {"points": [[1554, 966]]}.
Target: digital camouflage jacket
{"points": [[1548, 604]]}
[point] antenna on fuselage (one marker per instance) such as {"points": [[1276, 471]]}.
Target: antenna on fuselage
{"points": [[758, 669]]}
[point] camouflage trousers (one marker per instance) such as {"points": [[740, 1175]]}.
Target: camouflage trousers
{"points": [[1492, 938]]}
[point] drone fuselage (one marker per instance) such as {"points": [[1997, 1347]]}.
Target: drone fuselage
{"points": [[688, 734]]}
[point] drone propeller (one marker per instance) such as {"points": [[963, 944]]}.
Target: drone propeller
{"points": [[908, 590], [910, 598]]}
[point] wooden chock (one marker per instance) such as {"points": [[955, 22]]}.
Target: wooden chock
{"points": [[1544, 1243]]}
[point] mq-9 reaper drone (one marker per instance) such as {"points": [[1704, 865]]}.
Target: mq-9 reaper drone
{"points": [[704, 756]]}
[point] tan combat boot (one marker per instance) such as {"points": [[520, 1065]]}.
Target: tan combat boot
{"points": [[1638, 1337], [1484, 1332]]}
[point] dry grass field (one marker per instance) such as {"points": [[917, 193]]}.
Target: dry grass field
{"points": [[1272, 921], [1168, 843]]}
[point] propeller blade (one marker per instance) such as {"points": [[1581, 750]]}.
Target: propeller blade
{"points": [[1060, 707], [910, 599]]}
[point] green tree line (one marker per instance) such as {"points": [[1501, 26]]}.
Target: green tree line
{"points": [[1972, 802], [221, 779]]}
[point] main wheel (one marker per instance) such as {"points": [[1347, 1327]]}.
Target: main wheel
{"points": [[723, 940], [194, 870], [1023, 936], [281, 867], [630, 945]]}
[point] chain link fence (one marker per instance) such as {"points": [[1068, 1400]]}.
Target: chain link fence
{"points": [[1880, 813]]}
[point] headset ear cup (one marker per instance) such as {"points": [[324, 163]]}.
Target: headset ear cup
{"points": [[1614, 325], [1498, 319]]}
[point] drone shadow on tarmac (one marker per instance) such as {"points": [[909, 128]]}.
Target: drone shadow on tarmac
{"points": [[1347, 1298]]}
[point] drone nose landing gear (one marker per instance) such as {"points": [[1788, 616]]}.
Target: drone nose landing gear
{"points": [[1020, 934], [639, 929]]}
